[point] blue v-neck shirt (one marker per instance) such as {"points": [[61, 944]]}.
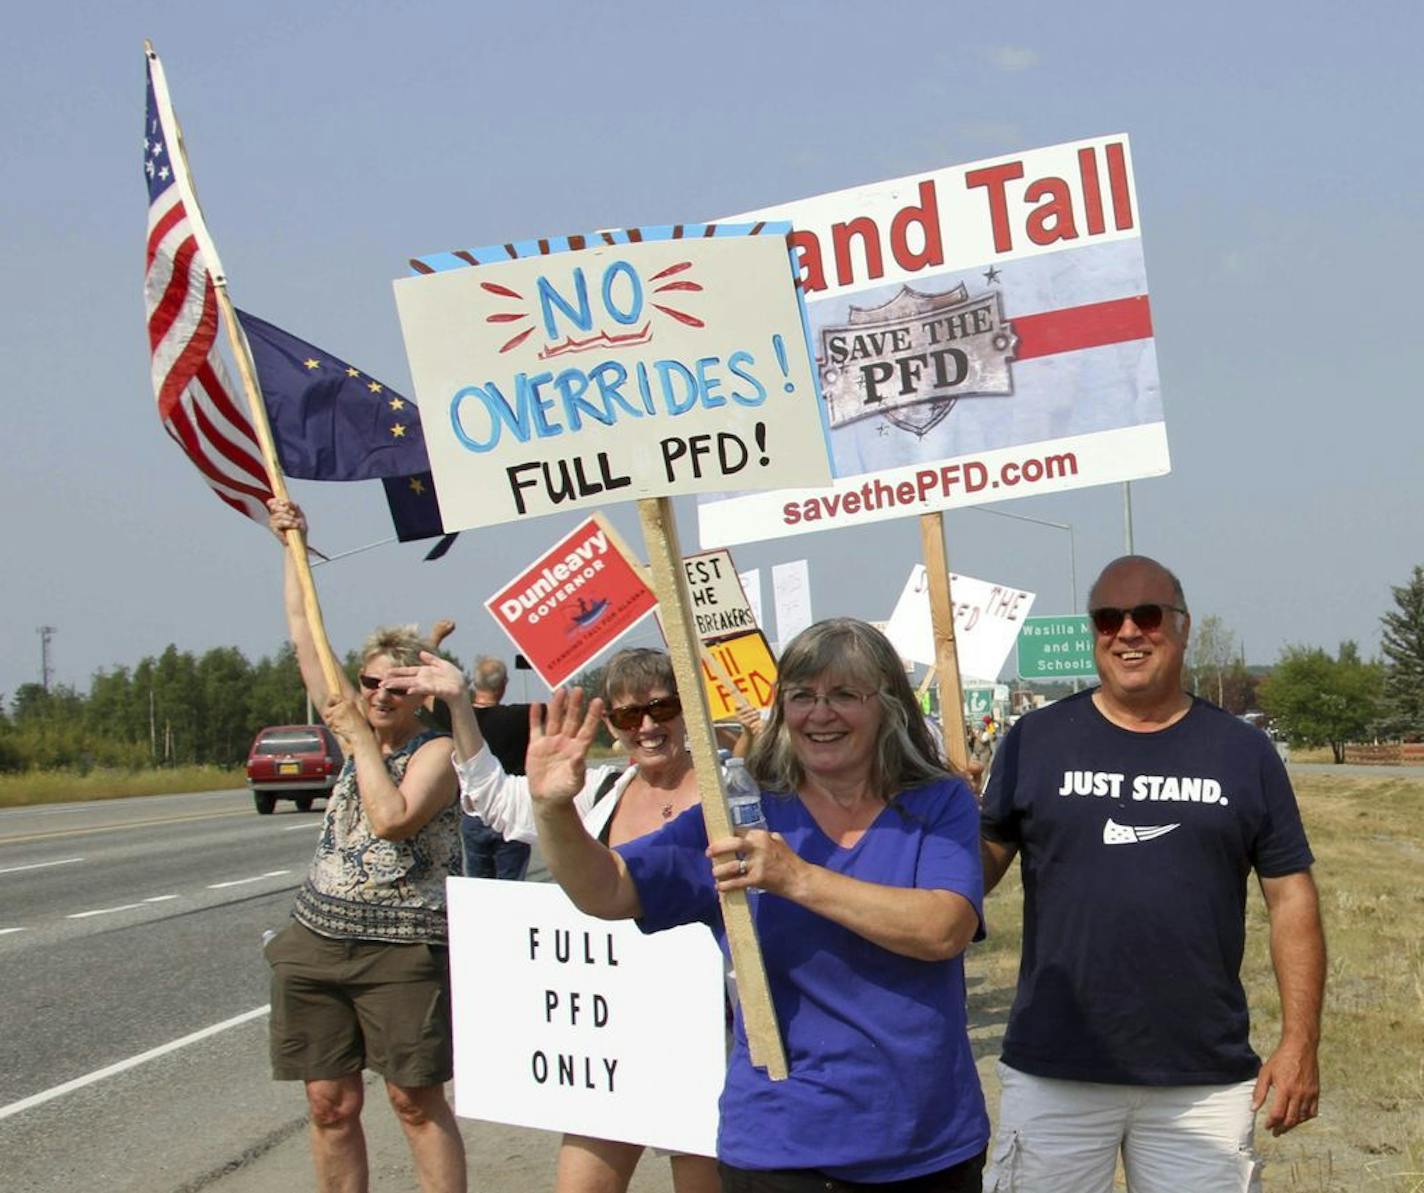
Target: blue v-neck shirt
{"points": [[882, 1081]]}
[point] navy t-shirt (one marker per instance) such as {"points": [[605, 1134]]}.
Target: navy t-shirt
{"points": [[1136, 848], [882, 1083]]}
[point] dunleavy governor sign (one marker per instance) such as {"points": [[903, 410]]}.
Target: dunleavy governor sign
{"points": [[642, 363]]}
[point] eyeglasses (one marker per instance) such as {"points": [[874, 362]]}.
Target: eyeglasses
{"points": [[1146, 617], [372, 683], [840, 700], [661, 708]]}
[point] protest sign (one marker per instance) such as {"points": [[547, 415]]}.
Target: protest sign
{"points": [[633, 367], [741, 394], [987, 620], [751, 589], [791, 592], [568, 1023], [749, 664], [572, 603], [982, 332], [720, 608]]}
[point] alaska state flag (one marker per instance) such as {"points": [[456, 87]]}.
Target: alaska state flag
{"points": [[331, 422]]}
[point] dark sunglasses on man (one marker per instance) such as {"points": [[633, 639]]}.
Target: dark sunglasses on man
{"points": [[1108, 620], [630, 716]]}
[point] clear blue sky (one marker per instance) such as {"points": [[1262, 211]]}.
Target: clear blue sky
{"points": [[1278, 167]]}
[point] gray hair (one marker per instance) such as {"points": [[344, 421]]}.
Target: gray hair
{"points": [[906, 754], [401, 644], [489, 674], [640, 669]]}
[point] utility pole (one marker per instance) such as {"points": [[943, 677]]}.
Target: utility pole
{"points": [[46, 632], [1127, 516]]}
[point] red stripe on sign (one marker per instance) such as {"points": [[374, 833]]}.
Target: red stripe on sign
{"points": [[1090, 326]]}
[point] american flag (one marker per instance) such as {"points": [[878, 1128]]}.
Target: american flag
{"points": [[195, 398]]}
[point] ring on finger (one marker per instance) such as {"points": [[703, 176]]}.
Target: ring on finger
{"points": [[741, 867]]}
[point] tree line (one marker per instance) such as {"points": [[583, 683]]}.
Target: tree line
{"points": [[1323, 701], [175, 709], [180, 708]]}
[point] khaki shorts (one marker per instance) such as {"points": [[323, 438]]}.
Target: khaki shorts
{"points": [[340, 1006], [1066, 1136]]}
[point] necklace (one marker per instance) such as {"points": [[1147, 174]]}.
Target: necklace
{"points": [[667, 811]]}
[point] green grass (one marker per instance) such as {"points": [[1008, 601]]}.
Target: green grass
{"points": [[54, 787], [1368, 837]]}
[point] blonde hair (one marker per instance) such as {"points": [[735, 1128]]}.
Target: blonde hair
{"points": [[401, 644]]}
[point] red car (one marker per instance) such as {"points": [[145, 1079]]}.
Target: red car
{"points": [[296, 762]]}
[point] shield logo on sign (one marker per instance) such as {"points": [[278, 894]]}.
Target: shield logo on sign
{"points": [[911, 359]]}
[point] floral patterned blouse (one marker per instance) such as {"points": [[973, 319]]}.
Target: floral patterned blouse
{"points": [[363, 887]]}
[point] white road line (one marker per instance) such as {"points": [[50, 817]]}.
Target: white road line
{"points": [[7, 931], [84, 915], [132, 1062], [217, 886], [68, 861], [159, 898], [296, 828]]}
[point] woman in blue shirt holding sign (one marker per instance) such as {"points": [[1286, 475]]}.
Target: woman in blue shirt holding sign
{"points": [[870, 892]]}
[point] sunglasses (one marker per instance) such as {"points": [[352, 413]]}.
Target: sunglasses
{"points": [[630, 716], [372, 683], [1146, 618]]}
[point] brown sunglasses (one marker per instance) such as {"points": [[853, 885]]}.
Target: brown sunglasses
{"points": [[630, 716]]}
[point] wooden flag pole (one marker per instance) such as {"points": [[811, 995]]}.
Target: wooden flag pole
{"points": [[296, 541], [670, 584], [713, 663], [946, 667]]}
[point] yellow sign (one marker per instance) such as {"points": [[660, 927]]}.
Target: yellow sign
{"points": [[748, 662]]}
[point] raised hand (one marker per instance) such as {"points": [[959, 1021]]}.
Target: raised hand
{"points": [[559, 739], [283, 516], [434, 677]]}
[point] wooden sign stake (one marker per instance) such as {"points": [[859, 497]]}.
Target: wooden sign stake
{"points": [[946, 666], [670, 584], [713, 663]]}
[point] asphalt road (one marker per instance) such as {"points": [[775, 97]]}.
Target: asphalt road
{"points": [[128, 926]]}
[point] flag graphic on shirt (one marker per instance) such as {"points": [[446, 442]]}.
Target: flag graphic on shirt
{"points": [[195, 398]]}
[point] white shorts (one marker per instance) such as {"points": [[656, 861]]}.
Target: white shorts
{"points": [[1065, 1136]]}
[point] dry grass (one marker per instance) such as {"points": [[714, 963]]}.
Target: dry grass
{"points": [[1368, 838], [55, 787]]}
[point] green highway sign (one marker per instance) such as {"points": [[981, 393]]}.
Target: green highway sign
{"points": [[1057, 648]]}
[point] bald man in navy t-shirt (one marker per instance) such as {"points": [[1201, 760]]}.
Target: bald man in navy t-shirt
{"points": [[1138, 812]]}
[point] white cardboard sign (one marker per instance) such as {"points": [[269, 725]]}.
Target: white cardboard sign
{"points": [[568, 1023], [791, 591], [987, 621], [645, 368], [751, 589]]}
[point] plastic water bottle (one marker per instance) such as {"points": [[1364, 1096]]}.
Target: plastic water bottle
{"points": [[743, 798]]}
